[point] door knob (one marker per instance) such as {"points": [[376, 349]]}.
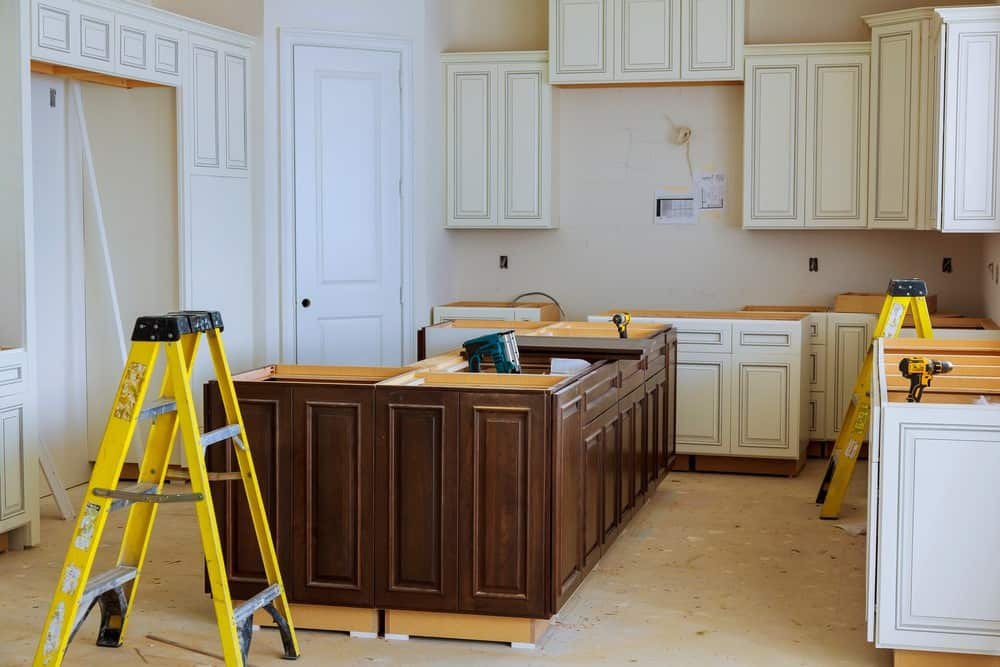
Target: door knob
{"points": [[306, 303]]}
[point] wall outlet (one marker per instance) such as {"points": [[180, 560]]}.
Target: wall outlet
{"points": [[503, 261], [814, 264], [946, 265]]}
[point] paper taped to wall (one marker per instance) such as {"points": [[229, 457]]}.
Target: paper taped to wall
{"points": [[711, 189]]}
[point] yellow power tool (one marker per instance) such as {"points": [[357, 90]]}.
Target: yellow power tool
{"points": [[920, 371], [621, 321]]}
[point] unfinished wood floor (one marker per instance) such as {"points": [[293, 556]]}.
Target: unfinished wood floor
{"points": [[716, 570]]}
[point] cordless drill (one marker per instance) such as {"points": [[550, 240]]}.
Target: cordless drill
{"points": [[920, 371], [622, 320]]}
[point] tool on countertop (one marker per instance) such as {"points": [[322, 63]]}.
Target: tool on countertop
{"points": [[501, 348], [901, 296], [621, 322], [920, 371], [77, 592]]}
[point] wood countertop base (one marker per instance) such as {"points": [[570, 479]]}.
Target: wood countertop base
{"points": [[925, 659], [518, 632], [358, 621], [714, 314]]}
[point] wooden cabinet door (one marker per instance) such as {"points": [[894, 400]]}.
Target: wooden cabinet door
{"points": [[647, 40], [332, 495], [763, 394], [593, 493], [712, 39], [12, 488], [850, 335], [416, 499], [632, 430], [267, 416], [656, 429], [524, 138], [971, 173], [774, 142], [836, 141], [471, 127], [703, 404], [503, 504], [581, 39], [567, 494], [613, 477], [669, 398]]}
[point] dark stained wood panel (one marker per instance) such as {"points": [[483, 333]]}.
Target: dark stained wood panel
{"points": [[416, 499], [593, 493], [503, 504], [612, 442], [332, 473], [567, 494]]}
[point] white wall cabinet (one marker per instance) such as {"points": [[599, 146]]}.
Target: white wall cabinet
{"points": [[219, 113], [602, 41], [499, 141], [805, 134], [935, 119]]}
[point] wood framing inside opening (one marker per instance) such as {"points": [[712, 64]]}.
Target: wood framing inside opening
{"points": [[39, 67]]}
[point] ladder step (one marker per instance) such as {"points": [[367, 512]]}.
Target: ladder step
{"points": [[102, 583], [259, 601], [220, 434], [159, 407], [144, 493]]}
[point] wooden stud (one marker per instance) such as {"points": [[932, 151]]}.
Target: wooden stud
{"points": [[356, 620], [927, 659], [521, 631], [4, 542], [40, 67]]}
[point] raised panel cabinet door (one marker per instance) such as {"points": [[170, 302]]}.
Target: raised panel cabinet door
{"points": [[836, 141], [12, 499], [53, 35], [471, 142], [764, 391], [893, 158], [774, 142], [816, 415], [593, 493], [629, 457], [712, 39], [971, 128], [850, 337], [647, 40], [567, 493], [614, 477], [581, 40], [267, 416], [236, 122], [416, 499], [205, 106], [333, 446], [669, 398], [703, 404], [504, 504], [524, 131], [134, 46], [97, 46], [655, 429]]}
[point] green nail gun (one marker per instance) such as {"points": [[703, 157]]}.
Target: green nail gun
{"points": [[500, 347]]}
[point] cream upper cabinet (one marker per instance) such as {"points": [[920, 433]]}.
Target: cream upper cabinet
{"points": [[935, 119], [499, 141], [805, 136], [713, 39], [602, 41]]}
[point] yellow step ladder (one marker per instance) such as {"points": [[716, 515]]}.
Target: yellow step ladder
{"points": [[179, 334], [901, 297]]}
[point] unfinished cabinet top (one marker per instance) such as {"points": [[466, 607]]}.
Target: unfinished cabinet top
{"points": [[712, 314], [976, 372]]}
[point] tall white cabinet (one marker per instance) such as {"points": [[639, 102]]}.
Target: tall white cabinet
{"points": [[806, 136], [498, 141], [602, 41], [935, 119]]}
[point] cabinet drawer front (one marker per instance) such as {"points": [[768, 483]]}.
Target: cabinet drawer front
{"points": [[11, 379], [768, 336], [631, 375], [816, 329], [816, 367], [12, 457], [695, 335], [600, 391], [816, 415]]}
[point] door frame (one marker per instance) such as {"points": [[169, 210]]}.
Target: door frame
{"points": [[288, 39]]}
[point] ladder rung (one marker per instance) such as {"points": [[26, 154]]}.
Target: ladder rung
{"points": [[100, 584], [159, 407], [265, 597], [220, 434], [144, 493]]}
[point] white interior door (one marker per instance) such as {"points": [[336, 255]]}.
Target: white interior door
{"points": [[59, 282], [348, 229]]}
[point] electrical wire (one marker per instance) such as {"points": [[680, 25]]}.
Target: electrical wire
{"points": [[547, 296]]}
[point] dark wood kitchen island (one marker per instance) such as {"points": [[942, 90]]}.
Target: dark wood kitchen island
{"points": [[467, 505]]}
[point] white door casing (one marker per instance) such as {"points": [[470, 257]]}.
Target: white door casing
{"points": [[345, 124]]}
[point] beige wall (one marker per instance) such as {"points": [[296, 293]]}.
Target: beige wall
{"points": [[242, 15], [612, 156]]}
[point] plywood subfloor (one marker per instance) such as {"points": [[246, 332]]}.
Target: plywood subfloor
{"points": [[720, 570]]}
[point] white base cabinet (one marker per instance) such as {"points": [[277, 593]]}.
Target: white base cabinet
{"points": [[498, 141], [18, 455], [604, 41]]}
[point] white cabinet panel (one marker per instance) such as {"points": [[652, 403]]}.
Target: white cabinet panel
{"points": [[895, 121], [816, 367], [972, 124], [522, 131], [53, 27], [133, 43], [166, 55], [471, 123], [774, 146], [713, 33], [764, 394], [703, 405], [581, 36], [236, 111], [816, 417], [836, 141], [205, 95], [849, 338], [97, 43], [12, 492], [648, 34]]}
